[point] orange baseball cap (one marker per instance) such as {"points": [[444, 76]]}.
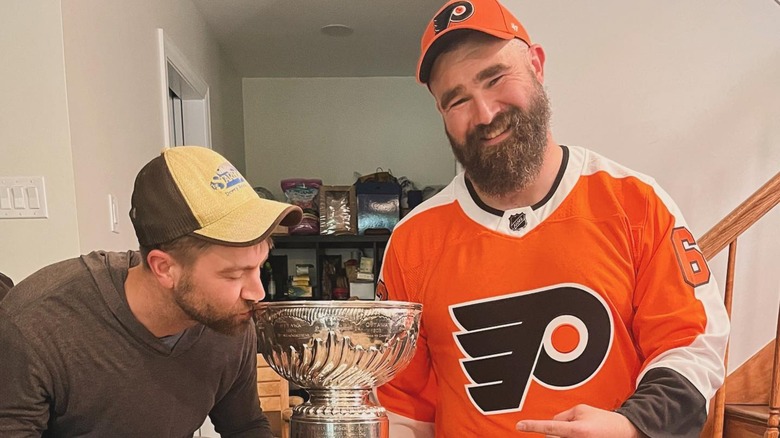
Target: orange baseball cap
{"points": [[488, 16]]}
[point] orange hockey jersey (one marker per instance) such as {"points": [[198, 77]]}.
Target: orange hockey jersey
{"points": [[586, 297]]}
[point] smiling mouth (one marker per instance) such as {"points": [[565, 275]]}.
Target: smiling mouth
{"points": [[492, 136]]}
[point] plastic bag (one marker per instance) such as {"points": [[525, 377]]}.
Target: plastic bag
{"points": [[304, 193], [336, 210]]}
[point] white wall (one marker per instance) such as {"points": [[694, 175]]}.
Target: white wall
{"points": [[112, 66], [687, 92], [81, 86], [328, 128], [34, 137]]}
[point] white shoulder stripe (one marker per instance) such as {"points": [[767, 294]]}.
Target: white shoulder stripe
{"points": [[596, 163], [444, 197]]}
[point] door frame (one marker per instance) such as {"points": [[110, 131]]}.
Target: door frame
{"points": [[197, 104]]}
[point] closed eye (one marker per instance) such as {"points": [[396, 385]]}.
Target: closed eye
{"points": [[458, 103], [239, 272], [495, 80], [234, 274]]}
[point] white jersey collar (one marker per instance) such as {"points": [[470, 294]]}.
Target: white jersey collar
{"points": [[519, 221]]}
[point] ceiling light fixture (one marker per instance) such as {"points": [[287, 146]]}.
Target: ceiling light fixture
{"points": [[336, 30]]}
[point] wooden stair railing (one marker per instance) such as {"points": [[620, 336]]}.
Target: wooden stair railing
{"points": [[725, 233]]}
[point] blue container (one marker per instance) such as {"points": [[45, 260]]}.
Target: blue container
{"points": [[379, 206]]}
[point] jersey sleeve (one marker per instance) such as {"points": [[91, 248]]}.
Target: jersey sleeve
{"points": [[666, 404], [410, 397], [680, 324]]}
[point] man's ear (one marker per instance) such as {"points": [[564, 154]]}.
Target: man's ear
{"points": [[163, 267], [536, 57]]}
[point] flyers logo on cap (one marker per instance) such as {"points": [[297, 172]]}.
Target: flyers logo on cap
{"points": [[454, 13]]}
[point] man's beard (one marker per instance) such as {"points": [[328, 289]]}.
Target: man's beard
{"points": [[199, 310], [513, 164]]}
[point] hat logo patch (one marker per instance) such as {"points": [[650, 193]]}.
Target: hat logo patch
{"points": [[226, 178], [454, 13]]}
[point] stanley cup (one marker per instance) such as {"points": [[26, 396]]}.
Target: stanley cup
{"points": [[338, 351]]}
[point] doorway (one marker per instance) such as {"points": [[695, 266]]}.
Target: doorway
{"points": [[185, 98]]}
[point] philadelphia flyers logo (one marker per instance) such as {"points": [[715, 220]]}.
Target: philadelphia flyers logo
{"points": [[558, 337], [454, 13]]}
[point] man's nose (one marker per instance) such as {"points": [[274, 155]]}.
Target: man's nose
{"points": [[484, 111], [253, 289]]}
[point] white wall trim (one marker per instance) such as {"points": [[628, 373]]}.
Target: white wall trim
{"points": [[169, 53]]}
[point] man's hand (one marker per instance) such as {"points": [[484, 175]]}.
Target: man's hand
{"points": [[583, 421]]}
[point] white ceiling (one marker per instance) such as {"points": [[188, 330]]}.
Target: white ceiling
{"points": [[282, 38]]}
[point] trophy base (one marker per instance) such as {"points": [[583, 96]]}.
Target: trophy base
{"points": [[339, 414], [339, 428]]}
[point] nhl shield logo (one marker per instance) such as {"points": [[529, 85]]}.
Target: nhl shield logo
{"points": [[517, 222]]}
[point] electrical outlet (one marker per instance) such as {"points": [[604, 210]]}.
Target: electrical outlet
{"points": [[113, 213]]}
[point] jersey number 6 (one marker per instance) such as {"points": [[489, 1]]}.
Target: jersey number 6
{"points": [[692, 263]]}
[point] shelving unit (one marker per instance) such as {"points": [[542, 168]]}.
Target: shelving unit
{"points": [[319, 244]]}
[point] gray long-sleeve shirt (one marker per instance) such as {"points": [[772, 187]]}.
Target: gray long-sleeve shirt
{"points": [[74, 361]]}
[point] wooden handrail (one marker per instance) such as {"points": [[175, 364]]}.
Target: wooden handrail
{"points": [[725, 233], [739, 220], [719, 411]]}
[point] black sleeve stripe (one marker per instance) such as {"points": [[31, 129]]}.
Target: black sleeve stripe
{"points": [[666, 404]]}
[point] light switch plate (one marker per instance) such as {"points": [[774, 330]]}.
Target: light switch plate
{"points": [[23, 197]]}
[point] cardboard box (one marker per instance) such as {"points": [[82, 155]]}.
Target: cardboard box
{"points": [[363, 291]]}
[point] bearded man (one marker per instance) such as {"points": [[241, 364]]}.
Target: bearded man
{"points": [[562, 293], [148, 344]]}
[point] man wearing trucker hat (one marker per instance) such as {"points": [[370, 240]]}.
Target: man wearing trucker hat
{"points": [[148, 344], [562, 293]]}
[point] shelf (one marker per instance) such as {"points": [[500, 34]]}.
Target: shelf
{"points": [[319, 244], [343, 241]]}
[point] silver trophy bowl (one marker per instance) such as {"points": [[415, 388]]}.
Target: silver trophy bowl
{"points": [[338, 351]]}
